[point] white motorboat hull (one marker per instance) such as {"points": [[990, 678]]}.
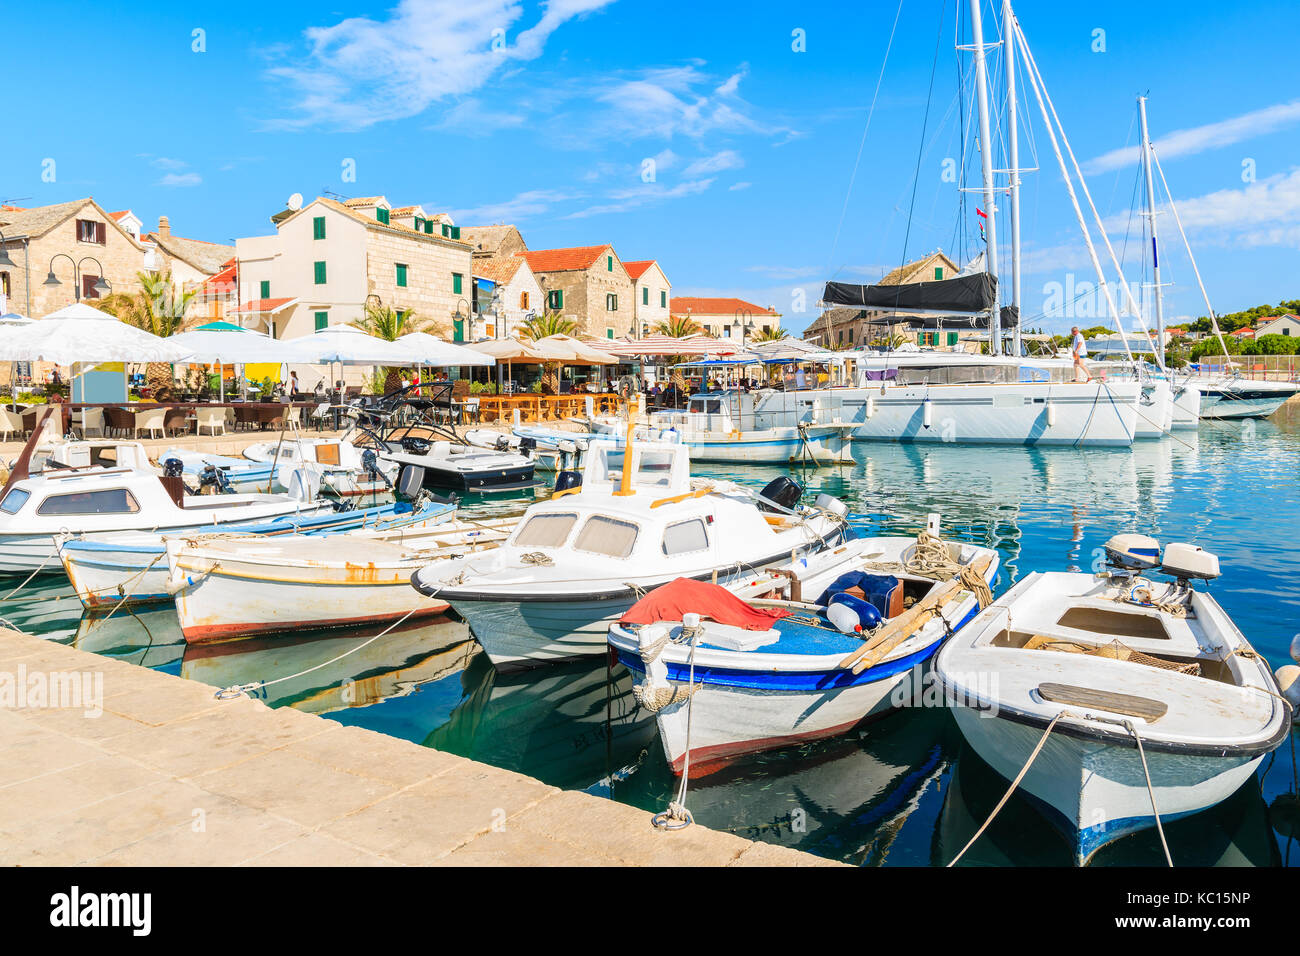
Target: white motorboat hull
{"points": [[1248, 400], [1187, 406], [1080, 414], [1096, 792], [1155, 411]]}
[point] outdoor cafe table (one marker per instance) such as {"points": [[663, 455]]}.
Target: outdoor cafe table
{"points": [[263, 414], [539, 408]]}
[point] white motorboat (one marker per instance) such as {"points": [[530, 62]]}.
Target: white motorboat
{"points": [[1226, 398], [727, 678], [130, 567], [233, 587], [1144, 696], [727, 427], [342, 469], [580, 559], [35, 509]]}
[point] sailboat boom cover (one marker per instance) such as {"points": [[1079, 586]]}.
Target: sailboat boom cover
{"points": [[964, 294]]}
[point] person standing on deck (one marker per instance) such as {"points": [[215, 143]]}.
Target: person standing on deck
{"points": [[1079, 349]]}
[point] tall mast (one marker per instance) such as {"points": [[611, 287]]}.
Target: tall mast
{"points": [[1013, 147], [1151, 214], [986, 162]]}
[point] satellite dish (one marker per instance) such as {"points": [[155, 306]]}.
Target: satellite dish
{"points": [[295, 202]]}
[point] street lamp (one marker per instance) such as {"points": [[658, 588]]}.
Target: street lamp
{"points": [[101, 286], [5, 261], [466, 315], [743, 319]]}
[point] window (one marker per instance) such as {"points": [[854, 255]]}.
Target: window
{"points": [[938, 272], [428, 226], [607, 536], [455, 232], [320, 272], [523, 300], [4, 283], [609, 263], [90, 231], [115, 501], [545, 531], [88, 290], [927, 338], [14, 501], [953, 337], [322, 320], [401, 274], [382, 215], [264, 289], [850, 336], [555, 299], [611, 302], [318, 227], [609, 333], [663, 299], [457, 283], [686, 536], [645, 295], [654, 468], [446, 231]]}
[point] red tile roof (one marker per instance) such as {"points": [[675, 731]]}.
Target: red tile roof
{"points": [[637, 269], [117, 216], [695, 305], [264, 305], [1244, 331], [563, 260], [224, 278]]}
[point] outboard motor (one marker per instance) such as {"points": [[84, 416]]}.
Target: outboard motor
{"points": [[416, 446], [304, 485], [173, 468], [783, 492], [410, 482], [370, 464], [502, 443], [1133, 552], [216, 479], [1187, 561], [527, 446], [568, 479]]}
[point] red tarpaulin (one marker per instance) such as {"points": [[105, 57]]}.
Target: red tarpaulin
{"points": [[685, 596]]}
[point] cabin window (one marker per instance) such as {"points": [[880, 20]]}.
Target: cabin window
{"points": [[654, 467], [545, 531], [113, 501], [607, 536], [686, 536], [14, 501]]}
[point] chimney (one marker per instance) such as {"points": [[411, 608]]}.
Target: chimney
{"points": [[164, 227]]}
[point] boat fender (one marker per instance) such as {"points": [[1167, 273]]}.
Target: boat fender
{"points": [[832, 504], [927, 413], [1288, 682], [852, 615], [1295, 649]]}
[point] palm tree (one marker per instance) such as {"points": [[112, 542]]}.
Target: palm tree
{"points": [[771, 335], [539, 327], [159, 310], [385, 322], [678, 327]]}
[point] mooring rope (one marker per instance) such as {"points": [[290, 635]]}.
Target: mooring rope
{"points": [[1151, 792]]}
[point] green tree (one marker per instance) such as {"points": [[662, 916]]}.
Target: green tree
{"points": [[390, 324], [770, 335], [547, 324]]}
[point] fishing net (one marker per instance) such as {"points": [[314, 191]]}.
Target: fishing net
{"points": [[1115, 650]]}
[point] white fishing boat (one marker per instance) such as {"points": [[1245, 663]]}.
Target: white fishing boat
{"points": [[343, 470], [581, 558], [1143, 696], [728, 678], [35, 509], [727, 427], [233, 587], [130, 567]]}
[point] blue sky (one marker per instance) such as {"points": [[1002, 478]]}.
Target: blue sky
{"points": [[545, 115]]}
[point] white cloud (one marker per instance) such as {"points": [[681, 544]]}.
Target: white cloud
{"points": [[624, 199], [363, 71], [1273, 202], [718, 162], [779, 273], [181, 179], [470, 117], [736, 187], [1187, 142], [680, 101], [524, 205]]}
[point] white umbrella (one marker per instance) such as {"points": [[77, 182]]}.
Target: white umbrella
{"points": [[231, 346], [346, 345], [14, 320], [430, 350], [79, 333]]}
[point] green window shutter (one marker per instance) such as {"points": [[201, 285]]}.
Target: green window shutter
{"points": [[322, 320], [401, 275], [645, 296], [952, 338], [609, 263], [457, 283], [318, 227], [428, 227], [458, 333], [938, 272], [446, 231], [663, 299], [264, 290], [455, 232], [320, 272], [555, 299], [609, 333], [382, 215], [920, 338]]}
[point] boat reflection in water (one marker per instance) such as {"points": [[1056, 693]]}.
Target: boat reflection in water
{"points": [[392, 666], [47, 606], [148, 636], [1234, 833]]}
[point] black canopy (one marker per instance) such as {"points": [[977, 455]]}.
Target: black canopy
{"points": [[968, 294]]}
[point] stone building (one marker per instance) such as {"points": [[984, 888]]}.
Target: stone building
{"points": [[588, 284], [494, 241], [42, 239], [329, 258], [518, 293]]}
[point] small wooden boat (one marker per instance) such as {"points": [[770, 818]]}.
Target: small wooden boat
{"points": [[729, 678], [1144, 697], [233, 587]]}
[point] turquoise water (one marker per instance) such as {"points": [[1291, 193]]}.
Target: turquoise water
{"points": [[906, 791]]}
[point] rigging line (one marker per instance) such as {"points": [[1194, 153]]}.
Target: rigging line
{"points": [[862, 145], [920, 152]]}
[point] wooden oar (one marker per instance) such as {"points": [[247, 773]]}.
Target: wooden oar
{"points": [[898, 630]]}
